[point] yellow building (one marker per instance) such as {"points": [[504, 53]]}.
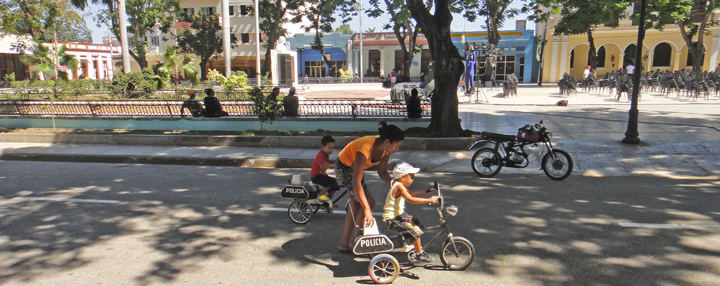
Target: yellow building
{"points": [[665, 50]]}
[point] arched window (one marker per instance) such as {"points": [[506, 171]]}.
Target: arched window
{"points": [[630, 53], [600, 58], [662, 55]]}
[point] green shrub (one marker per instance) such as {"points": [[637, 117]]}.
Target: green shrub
{"points": [[264, 107]]}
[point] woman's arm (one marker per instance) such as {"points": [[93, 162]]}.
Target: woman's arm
{"points": [[383, 171], [358, 169]]}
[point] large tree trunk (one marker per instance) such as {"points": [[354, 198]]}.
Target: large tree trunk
{"points": [[447, 66], [696, 49], [203, 69], [592, 56]]}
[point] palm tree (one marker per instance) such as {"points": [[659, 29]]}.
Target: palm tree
{"points": [[48, 61], [174, 63]]}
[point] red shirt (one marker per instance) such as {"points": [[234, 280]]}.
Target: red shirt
{"points": [[320, 159]]}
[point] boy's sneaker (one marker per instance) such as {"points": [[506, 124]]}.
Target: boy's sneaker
{"points": [[424, 257], [324, 198]]}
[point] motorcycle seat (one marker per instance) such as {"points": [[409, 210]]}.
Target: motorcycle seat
{"points": [[498, 136]]}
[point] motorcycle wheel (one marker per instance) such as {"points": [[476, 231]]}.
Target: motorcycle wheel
{"points": [[560, 168], [383, 269], [457, 253], [300, 212], [486, 163]]}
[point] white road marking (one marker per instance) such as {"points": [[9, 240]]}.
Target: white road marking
{"points": [[66, 200], [670, 226], [272, 209]]}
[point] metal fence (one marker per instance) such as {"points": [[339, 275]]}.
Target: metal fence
{"points": [[171, 108]]}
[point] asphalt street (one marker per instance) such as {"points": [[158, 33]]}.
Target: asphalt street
{"points": [[120, 224]]}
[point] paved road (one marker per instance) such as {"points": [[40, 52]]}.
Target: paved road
{"points": [[194, 225]]}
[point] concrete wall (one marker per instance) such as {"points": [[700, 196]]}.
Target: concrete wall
{"points": [[209, 124]]}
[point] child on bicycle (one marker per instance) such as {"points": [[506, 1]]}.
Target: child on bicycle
{"points": [[318, 172], [395, 215]]}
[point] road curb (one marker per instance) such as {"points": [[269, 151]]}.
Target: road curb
{"points": [[410, 143], [162, 160]]}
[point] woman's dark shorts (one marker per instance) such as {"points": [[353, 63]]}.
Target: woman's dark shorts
{"points": [[325, 181], [407, 226], [344, 174]]}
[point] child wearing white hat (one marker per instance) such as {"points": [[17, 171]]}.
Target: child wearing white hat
{"points": [[394, 211]]}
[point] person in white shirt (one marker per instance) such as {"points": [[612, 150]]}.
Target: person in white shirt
{"points": [[630, 69], [586, 73]]}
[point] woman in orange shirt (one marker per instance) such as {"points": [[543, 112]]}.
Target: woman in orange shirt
{"points": [[352, 161]]}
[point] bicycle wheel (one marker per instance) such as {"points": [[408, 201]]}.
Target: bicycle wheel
{"points": [[457, 253], [300, 212], [560, 168], [383, 269], [486, 162]]}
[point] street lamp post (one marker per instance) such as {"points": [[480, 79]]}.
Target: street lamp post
{"points": [[359, 8], [631, 135]]}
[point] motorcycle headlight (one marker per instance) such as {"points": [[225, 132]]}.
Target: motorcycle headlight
{"points": [[452, 210], [549, 135]]}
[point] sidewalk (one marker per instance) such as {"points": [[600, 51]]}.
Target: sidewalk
{"points": [[680, 139]]}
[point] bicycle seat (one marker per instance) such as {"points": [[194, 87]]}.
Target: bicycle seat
{"points": [[498, 136]]}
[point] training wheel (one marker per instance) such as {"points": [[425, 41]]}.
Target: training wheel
{"points": [[384, 269]]}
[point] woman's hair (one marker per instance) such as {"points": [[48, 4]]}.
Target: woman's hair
{"points": [[414, 92], [390, 132]]}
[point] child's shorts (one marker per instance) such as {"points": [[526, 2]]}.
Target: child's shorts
{"points": [[407, 226], [325, 181]]}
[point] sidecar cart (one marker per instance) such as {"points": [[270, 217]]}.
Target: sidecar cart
{"points": [[306, 203]]}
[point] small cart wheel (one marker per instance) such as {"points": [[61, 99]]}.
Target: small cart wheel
{"points": [[383, 269], [300, 212]]}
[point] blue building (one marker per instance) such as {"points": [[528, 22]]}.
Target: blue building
{"points": [[518, 53], [310, 61]]}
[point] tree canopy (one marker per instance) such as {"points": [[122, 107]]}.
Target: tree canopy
{"points": [[204, 39]]}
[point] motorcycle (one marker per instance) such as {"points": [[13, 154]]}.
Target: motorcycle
{"points": [[512, 151]]}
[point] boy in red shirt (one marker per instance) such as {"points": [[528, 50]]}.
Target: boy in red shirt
{"points": [[319, 168]]}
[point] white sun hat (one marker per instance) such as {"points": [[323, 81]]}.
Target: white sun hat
{"points": [[403, 169]]}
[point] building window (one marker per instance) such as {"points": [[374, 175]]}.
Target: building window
{"points": [[189, 12], [399, 60], [661, 55], [208, 11], [315, 68], [572, 58], [231, 11], [374, 63], [155, 40], [245, 38], [334, 68], [244, 10]]}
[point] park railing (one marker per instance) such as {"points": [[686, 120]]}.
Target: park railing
{"points": [[171, 108]]}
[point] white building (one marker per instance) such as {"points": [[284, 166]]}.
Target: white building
{"points": [[95, 61]]}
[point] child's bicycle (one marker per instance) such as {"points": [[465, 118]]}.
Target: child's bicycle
{"points": [[306, 203], [456, 253]]}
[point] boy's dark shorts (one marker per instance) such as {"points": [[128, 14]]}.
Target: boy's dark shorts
{"points": [[407, 226], [326, 181]]}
